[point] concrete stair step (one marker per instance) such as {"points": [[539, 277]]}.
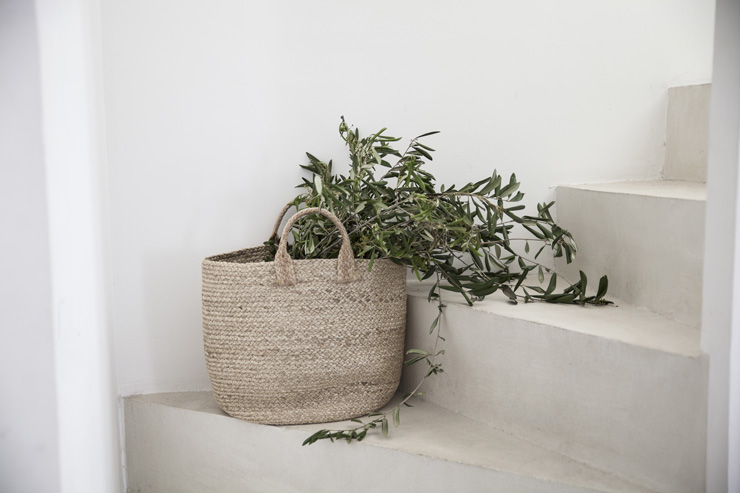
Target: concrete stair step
{"points": [[687, 133], [182, 442], [622, 388], [648, 237]]}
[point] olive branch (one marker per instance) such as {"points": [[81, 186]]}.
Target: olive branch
{"points": [[392, 208]]}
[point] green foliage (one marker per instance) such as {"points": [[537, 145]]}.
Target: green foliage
{"points": [[464, 234], [465, 238]]}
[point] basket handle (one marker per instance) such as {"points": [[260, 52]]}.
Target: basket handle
{"points": [[284, 264], [274, 235]]}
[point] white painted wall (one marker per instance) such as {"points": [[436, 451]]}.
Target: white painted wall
{"points": [[29, 458], [210, 106], [721, 303], [72, 126]]}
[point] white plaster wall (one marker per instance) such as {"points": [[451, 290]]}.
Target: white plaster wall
{"points": [[29, 457], [72, 126], [210, 106], [721, 300]]}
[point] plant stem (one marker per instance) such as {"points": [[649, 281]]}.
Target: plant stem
{"points": [[430, 359]]}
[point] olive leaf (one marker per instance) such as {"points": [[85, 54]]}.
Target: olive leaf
{"points": [[466, 237]]}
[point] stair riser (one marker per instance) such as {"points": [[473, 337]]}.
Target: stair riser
{"points": [[171, 450], [632, 411], [687, 133], [651, 248]]}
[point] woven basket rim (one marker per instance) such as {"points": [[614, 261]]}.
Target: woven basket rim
{"points": [[226, 258]]}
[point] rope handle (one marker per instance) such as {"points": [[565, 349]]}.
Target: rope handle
{"points": [[284, 264], [274, 235]]}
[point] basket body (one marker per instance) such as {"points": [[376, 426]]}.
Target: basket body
{"points": [[315, 351]]}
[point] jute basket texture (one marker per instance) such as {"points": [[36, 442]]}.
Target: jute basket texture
{"points": [[302, 341]]}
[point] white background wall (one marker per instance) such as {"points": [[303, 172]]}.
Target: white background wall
{"points": [[68, 43], [721, 309], [29, 457], [58, 424], [210, 106]]}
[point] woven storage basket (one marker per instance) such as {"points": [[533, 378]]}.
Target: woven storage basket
{"points": [[302, 341]]}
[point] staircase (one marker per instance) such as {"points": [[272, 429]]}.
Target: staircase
{"points": [[534, 397]]}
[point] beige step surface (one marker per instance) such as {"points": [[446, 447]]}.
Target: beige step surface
{"points": [[620, 388], [648, 237], [687, 133], [182, 442]]}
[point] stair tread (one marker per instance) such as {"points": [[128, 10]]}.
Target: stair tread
{"points": [[671, 189], [648, 237], [622, 322], [436, 433]]}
